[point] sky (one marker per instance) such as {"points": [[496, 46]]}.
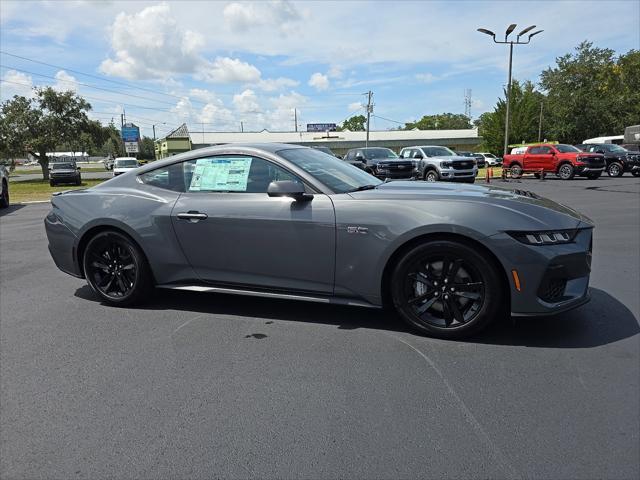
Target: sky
{"points": [[223, 66]]}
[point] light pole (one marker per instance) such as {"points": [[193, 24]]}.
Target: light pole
{"points": [[510, 29]]}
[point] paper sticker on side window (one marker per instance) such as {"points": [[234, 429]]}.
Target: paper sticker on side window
{"points": [[228, 174]]}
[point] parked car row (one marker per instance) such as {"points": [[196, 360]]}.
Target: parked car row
{"points": [[617, 158]]}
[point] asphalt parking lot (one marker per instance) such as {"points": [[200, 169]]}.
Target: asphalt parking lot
{"points": [[204, 386]]}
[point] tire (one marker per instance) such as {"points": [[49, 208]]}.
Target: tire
{"points": [[79, 181], [4, 198], [116, 269], [615, 169], [52, 183], [431, 176], [516, 170], [636, 173], [421, 292], [594, 175], [566, 171]]}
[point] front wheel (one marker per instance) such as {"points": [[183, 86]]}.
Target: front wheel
{"points": [[615, 169], [52, 183], [431, 176], [116, 269], [636, 173], [566, 171], [79, 181], [446, 289]]}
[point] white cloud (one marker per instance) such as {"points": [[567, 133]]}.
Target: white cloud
{"points": [[280, 15], [319, 81], [335, 72], [246, 102], [16, 83], [228, 70], [150, 44], [202, 95], [354, 107], [426, 77], [273, 84], [65, 82]]}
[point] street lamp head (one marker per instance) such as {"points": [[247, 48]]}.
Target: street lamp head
{"points": [[488, 32], [535, 33], [528, 29], [510, 29]]}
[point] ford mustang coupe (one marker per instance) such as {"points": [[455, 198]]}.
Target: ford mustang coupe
{"points": [[285, 221]]}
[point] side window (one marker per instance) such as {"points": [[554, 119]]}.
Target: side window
{"points": [[171, 177], [406, 153], [349, 155], [416, 152], [545, 150], [234, 173], [535, 150]]}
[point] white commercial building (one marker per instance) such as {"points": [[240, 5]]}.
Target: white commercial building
{"points": [[340, 142]]}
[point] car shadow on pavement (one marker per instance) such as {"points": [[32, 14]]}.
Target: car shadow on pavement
{"points": [[603, 320], [11, 209]]}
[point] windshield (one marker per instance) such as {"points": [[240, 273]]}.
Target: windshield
{"points": [[370, 153], [126, 163], [616, 148], [60, 166], [439, 152], [488, 155], [566, 148], [339, 176]]}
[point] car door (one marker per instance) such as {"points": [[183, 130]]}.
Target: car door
{"points": [[232, 232]]}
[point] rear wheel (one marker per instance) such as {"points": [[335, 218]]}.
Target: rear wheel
{"points": [[516, 170], [4, 198], [116, 269], [446, 289], [615, 169], [566, 171], [431, 176]]}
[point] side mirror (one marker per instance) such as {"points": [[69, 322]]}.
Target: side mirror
{"points": [[288, 188], [79, 168]]}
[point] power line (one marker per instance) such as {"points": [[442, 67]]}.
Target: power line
{"points": [[388, 119]]}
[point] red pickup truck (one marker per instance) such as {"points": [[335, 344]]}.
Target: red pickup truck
{"points": [[566, 161]]}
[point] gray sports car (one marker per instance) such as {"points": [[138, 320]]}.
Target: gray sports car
{"points": [[285, 221]]}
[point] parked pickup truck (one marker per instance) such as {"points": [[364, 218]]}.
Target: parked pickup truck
{"points": [[566, 161]]}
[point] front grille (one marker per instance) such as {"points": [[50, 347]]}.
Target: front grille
{"points": [[592, 162], [552, 290], [393, 166], [633, 159], [462, 165]]}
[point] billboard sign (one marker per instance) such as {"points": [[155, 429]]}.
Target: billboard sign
{"points": [[321, 127], [131, 147], [130, 133]]}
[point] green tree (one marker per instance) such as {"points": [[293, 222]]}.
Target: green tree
{"points": [[42, 124], [592, 93], [147, 150], [523, 125], [442, 121], [357, 123]]}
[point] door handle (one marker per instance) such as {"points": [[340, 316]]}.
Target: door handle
{"points": [[192, 216]]}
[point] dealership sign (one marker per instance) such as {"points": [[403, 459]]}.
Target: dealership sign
{"points": [[131, 147], [130, 133], [321, 127]]}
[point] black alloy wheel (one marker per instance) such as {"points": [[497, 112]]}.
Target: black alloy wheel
{"points": [[116, 269], [446, 289], [431, 176], [566, 171], [516, 171], [615, 169], [4, 200]]}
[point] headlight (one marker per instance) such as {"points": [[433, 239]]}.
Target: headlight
{"points": [[446, 164], [553, 237]]}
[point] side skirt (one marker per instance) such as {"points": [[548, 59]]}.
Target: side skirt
{"points": [[285, 296]]}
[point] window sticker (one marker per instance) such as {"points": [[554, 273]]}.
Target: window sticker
{"points": [[227, 174]]}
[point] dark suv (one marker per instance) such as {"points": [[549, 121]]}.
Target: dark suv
{"points": [[382, 162], [64, 172], [618, 159]]}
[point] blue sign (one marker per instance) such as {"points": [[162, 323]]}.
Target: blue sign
{"points": [[130, 133], [321, 127]]}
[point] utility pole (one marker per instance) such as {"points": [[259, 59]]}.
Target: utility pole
{"points": [[241, 126], [467, 103], [295, 118], [369, 110], [540, 123], [155, 157], [506, 120]]}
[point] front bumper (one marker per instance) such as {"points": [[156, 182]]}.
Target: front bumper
{"points": [[452, 174], [553, 278], [580, 170]]}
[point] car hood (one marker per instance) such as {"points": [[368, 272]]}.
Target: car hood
{"points": [[519, 202], [455, 158]]}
